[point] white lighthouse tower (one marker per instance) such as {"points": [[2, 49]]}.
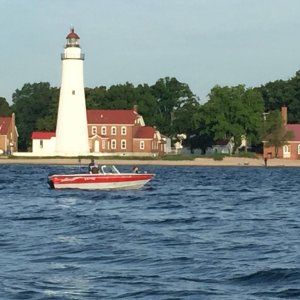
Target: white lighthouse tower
{"points": [[71, 126]]}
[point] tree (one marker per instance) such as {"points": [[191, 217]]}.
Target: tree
{"points": [[170, 95], [95, 98], [35, 106], [5, 110], [121, 96], [283, 93], [275, 134], [147, 104], [202, 136], [233, 112], [186, 121]]}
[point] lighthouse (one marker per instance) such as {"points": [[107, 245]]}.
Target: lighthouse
{"points": [[71, 126]]}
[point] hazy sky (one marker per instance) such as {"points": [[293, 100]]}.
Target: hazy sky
{"points": [[200, 42]]}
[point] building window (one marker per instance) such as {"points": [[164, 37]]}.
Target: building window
{"points": [[113, 130], [73, 92], [299, 149], [123, 144], [113, 144], [94, 130], [123, 130], [103, 130], [142, 145], [286, 149], [41, 144]]}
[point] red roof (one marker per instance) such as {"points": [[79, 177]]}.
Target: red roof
{"points": [[42, 135], [72, 35], [111, 116], [295, 128], [145, 132], [4, 125]]}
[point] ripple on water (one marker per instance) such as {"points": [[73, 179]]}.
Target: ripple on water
{"points": [[191, 233]]}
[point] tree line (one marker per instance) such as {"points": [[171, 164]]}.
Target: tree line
{"points": [[171, 107]]}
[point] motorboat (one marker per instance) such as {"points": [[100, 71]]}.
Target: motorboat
{"points": [[108, 178]]}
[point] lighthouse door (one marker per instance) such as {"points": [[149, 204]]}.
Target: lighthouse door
{"points": [[97, 146]]}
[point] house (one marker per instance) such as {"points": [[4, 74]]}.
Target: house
{"points": [[222, 146], [111, 132], [291, 150], [8, 135], [123, 132], [43, 142]]}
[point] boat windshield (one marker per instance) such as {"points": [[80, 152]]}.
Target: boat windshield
{"points": [[109, 169]]}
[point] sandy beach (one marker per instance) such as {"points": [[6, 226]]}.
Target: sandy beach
{"points": [[227, 161]]}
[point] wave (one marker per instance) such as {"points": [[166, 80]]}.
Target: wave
{"points": [[270, 276], [287, 294]]}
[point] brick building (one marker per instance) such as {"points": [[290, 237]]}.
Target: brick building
{"points": [[291, 150], [8, 135], [112, 132]]}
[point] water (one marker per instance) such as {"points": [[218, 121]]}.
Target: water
{"points": [[191, 233]]}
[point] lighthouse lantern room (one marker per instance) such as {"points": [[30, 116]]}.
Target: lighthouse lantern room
{"points": [[71, 126]]}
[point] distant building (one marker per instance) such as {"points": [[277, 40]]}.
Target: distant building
{"points": [[291, 150], [111, 132], [223, 146], [8, 135], [43, 143]]}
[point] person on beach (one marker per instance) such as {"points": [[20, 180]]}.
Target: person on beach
{"points": [[266, 161], [93, 167]]}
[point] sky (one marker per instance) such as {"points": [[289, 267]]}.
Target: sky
{"points": [[202, 43]]}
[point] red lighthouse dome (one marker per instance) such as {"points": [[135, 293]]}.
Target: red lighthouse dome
{"points": [[72, 38], [73, 35]]}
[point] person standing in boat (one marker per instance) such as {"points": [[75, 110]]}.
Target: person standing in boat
{"points": [[93, 167], [135, 169]]}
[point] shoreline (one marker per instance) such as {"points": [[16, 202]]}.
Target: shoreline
{"points": [[227, 161]]}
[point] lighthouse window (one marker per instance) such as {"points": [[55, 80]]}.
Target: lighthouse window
{"points": [[73, 92]]}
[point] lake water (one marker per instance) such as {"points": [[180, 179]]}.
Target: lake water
{"points": [[191, 233]]}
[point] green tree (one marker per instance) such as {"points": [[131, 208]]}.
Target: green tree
{"points": [[96, 97], [147, 104], [121, 96], [233, 112], [275, 134], [170, 95], [283, 93], [35, 106], [186, 121], [203, 135], [5, 110]]}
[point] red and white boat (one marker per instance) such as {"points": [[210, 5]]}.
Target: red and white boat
{"points": [[109, 178]]}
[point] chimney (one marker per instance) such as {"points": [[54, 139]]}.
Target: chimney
{"points": [[284, 115], [13, 126], [135, 108]]}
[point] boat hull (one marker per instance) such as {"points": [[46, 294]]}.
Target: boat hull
{"points": [[126, 181]]}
